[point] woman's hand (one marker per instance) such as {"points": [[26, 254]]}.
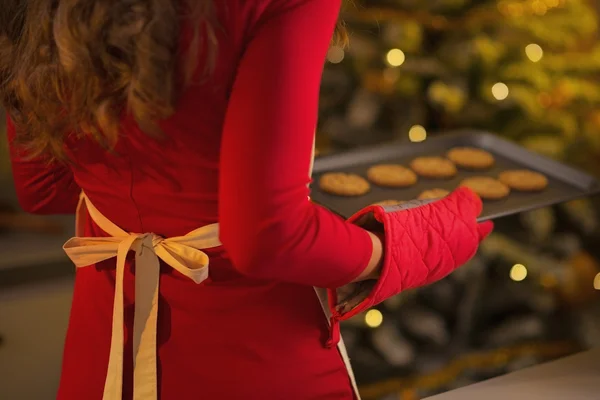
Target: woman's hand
{"points": [[421, 245]]}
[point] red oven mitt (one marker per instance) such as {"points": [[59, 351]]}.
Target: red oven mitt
{"points": [[423, 242]]}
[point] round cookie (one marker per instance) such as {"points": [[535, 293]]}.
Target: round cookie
{"points": [[342, 184], [388, 203], [486, 187], [471, 158], [524, 180], [433, 167], [391, 175], [433, 194]]}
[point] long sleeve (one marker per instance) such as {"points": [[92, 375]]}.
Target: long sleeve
{"points": [[42, 187], [268, 225]]}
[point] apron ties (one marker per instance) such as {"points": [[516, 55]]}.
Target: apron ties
{"points": [[177, 252]]}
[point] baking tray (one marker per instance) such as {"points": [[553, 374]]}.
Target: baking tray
{"points": [[565, 183]]}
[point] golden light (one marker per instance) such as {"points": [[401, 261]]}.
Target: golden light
{"points": [[515, 10], [500, 91], [534, 52], [335, 55], [395, 57], [417, 133], [597, 281], [503, 7], [539, 7], [518, 272], [373, 318]]}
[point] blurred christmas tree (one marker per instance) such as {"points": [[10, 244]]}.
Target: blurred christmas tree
{"points": [[525, 69]]}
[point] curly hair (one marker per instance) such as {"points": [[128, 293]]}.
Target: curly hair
{"points": [[74, 66]]}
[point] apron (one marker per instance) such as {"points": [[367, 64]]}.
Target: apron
{"points": [[180, 253]]}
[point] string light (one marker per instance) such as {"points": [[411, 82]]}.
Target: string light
{"points": [[417, 133], [515, 10], [518, 272], [597, 281], [395, 57], [373, 318], [539, 7], [500, 91], [534, 52], [335, 55]]}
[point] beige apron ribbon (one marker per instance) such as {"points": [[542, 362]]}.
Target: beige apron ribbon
{"points": [[178, 252]]}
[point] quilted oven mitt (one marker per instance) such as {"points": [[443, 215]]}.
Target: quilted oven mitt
{"points": [[423, 242]]}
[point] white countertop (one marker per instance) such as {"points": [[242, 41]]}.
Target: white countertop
{"points": [[576, 377]]}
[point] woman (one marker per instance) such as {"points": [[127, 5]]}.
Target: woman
{"points": [[161, 119]]}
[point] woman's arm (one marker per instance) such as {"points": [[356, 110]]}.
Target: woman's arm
{"points": [[42, 187], [268, 225]]}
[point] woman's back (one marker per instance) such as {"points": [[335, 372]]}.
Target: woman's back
{"points": [[169, 185], [231, 337]]}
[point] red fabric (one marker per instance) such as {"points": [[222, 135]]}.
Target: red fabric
{"points": [[42, 187], [237, 151], [422, 245]]}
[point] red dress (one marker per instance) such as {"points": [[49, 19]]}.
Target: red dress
{"points": [[238, 151]]}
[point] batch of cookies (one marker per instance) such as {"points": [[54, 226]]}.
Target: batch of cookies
{"points": [[432, 167]]}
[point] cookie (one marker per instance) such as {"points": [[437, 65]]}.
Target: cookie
{"points": [[342, 184], [486, 187], [433, 194], [385, 203], [524, 180], [471, 158], [391, 175], [433, 167]]}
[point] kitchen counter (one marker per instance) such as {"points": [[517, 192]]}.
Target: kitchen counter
{"points": [[576, 377]]}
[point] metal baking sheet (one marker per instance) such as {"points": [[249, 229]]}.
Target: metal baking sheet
{"points": [[565, 183]]}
